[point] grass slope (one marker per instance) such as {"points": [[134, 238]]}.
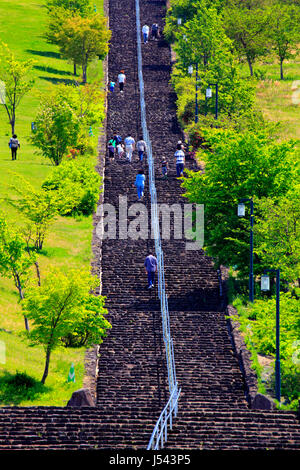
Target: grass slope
{"points": [[22, 25]]}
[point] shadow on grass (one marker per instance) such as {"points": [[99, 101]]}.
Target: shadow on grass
{"points": [[55, 81], [54, 55], [44, 68], [15, 388]]}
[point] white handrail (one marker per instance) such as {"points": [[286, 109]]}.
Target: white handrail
{"points": [[173, 387]]}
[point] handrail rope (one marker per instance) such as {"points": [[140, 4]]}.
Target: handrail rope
{"points": [[162, 422]]}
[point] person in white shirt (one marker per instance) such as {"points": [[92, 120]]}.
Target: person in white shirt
{"points": [[145, 31], [120, 150], [180, 160], [129, 147], [121, 80]]}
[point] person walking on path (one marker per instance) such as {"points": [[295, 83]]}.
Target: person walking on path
{"points": [[154, 31], [117, 138], [111, 86], [180, 160], [179, 145], [14, 144], [145, 31], [121, 80], [140, 183], [141, 148], [164, 168], [120, 150], [129, 147], [150, 268], [111, 149]]}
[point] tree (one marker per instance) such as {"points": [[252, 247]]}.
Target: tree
{"points": [[277, 234], [83, 39], [39, 207], [57, 127], [75, 185], [82, 7], [13, 74], [15, 260], [202, 39], [57, 14], [246, 23], [237, 166], [285, 32], [62, 306]]}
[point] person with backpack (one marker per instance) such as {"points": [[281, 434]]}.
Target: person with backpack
{"points": [[154, 31], [117, 138], [14, 144], [140, 183]]}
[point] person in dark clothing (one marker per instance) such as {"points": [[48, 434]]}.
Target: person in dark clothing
{"points": [[154, 31], [14, 144], [150, 268]]}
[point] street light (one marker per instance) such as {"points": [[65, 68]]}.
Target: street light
{"points": [[241, 213], [208, 94], [265, 286], [190, 71]]}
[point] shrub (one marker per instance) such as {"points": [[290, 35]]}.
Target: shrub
{"points": [[78, 186]]}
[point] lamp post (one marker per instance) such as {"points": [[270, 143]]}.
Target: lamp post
{"points": [[190, 71], [208, 94], [265, 286], [241, 213]]}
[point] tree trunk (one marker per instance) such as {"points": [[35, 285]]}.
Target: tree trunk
{"points": [[75, 68], [250, 66], [281, 69], [38, 272], [45, 375], [84, 77], [19, 287]]}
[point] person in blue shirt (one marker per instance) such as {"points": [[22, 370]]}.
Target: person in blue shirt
{"points": [[140, 183], [111, 86]]}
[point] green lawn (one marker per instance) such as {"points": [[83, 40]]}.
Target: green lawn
{"points": [[275, 97], [68, 244]]}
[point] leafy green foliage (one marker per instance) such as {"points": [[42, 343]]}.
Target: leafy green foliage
{"points": [[14, 74], [247, 23], [202, 40], [82, 7], [285, 32], [57, 127], [62, 306], [18, 387], [258, 323], [39, 207], [77, 187], [236, 166], [15, 260], [277, 234], [63, 118], [83, 39]]}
